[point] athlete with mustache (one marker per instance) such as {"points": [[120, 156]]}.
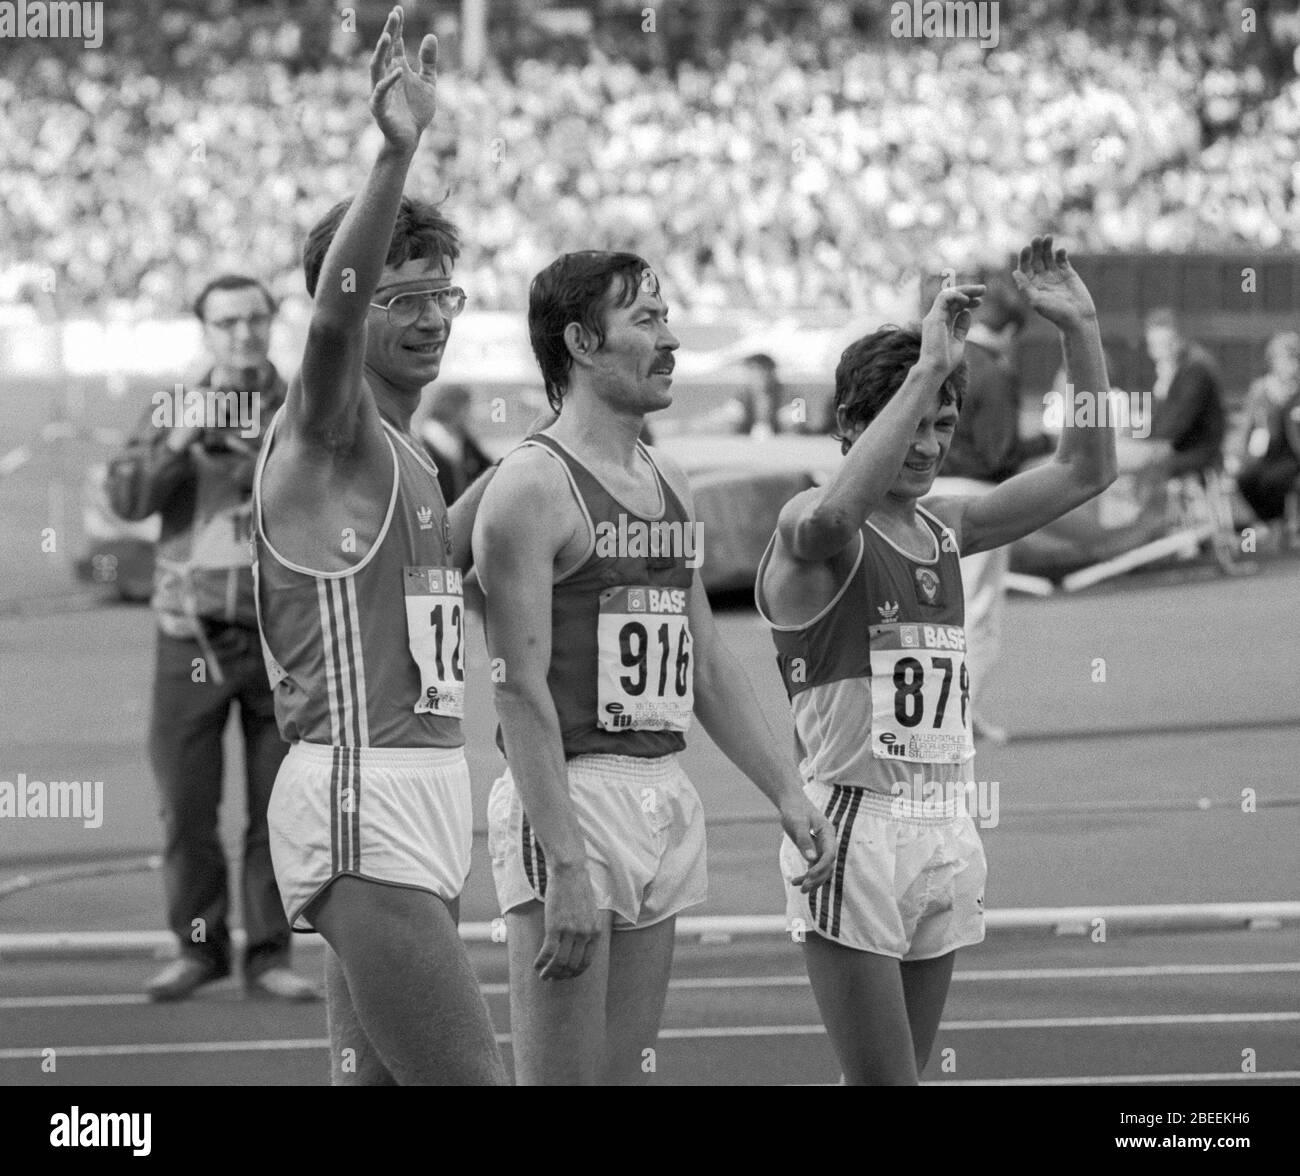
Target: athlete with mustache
{"points": [[605, 656]]}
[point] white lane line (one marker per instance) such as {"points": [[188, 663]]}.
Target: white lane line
{"points": [[1127, 1079], [673, 1034], [723, 983]]}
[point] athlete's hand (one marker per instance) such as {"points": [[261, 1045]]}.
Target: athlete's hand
{"points": [[403, 101], [806, 825], [943, 330], [1046, 278], [572, 923]]}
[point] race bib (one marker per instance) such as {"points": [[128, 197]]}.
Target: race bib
{"points": [[224, 540], [920, 694], [435, 632], [645, 673]]}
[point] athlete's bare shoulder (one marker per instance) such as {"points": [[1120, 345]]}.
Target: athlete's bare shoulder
{"points": [[531, 501]]}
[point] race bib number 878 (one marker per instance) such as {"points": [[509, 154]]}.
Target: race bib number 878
{"points": [[920, 694], [435, 632], [645, 673]]}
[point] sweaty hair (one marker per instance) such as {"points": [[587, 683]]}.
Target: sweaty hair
{"points": [[576, 288], [421, 231], [230, 282], [873, 368]]}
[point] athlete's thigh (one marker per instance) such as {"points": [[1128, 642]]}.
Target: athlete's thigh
{"points": [[410, 982], [353, 1060], [860, 995], [640, 963], [557, 1027], [925, 988]]}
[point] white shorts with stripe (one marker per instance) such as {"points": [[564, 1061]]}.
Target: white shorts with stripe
{"points": [[908, 879], [644, 827], [401, 816]]}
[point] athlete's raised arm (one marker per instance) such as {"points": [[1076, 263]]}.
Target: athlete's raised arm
{"points": [[515, 547], [328, 404], [729, 710], [1084, 463], [818, 523]]}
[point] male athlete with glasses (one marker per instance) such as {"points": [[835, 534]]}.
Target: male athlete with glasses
{"points": [[362, 619]]}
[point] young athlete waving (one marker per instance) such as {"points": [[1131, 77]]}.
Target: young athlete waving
{"points": [[862, 589]]}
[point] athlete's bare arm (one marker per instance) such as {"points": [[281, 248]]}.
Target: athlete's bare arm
{"points": [[729, 710], [329, 407], [1084, 464], [516, 549], [816, 533], [818, 523]]}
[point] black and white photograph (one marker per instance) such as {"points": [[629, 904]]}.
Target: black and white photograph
{"points": [[651, 543]]}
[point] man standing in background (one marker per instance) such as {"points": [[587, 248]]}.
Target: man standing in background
{"points": [[192, 462], [447, 437]]}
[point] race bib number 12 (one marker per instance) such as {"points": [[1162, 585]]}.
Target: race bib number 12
{"points": [[920, 694], [645, 676], [435, 631]]}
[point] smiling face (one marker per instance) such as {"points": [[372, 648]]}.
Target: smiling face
{"points": [[409, 357], [633, 367], [925, 454]]}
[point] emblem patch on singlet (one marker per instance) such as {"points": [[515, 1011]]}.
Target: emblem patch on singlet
{"points": [[927, 584]]}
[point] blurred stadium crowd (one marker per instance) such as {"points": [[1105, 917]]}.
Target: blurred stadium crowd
{"points": [[804, 164]]}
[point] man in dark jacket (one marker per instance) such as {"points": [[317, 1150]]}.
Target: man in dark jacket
{"points": [[192, 461], [1189, 423]]}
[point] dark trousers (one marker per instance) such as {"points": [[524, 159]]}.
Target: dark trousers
{"points": [[1266, 482], [185, 748]]}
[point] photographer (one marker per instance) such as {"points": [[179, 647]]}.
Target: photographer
{"points": [[199, 477]]}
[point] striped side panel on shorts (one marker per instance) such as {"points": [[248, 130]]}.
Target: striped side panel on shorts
{"points": [[824, 899], [534, 860], [846, 835]]}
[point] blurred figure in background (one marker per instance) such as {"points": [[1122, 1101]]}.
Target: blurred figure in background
{"points": [[196, 470], [446, 435], [758, 411], [987, 449], [1188, 418], [1266, 454]]}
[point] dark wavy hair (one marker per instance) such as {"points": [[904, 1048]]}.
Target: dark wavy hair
{"points": [[420, 231], [577, 288], [873, 368]]}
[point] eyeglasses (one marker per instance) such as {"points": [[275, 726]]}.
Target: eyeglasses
{"points": [[407, 308], [254, 322]]}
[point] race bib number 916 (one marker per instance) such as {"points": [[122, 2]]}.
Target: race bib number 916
{"points": [[645, 675], [435, 631], [920, 694]]}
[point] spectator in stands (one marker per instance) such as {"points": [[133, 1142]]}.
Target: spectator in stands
{"points": [[987, 449], [1188, 416], [1267, 456], [446, 435], [196, 470]]}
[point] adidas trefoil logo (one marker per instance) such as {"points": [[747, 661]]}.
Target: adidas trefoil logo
{"points": [[888, 611], [425, 515]]}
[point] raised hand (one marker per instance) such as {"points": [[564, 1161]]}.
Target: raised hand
{"points": [[943, 330], [1046, 278], [403, 101]]}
